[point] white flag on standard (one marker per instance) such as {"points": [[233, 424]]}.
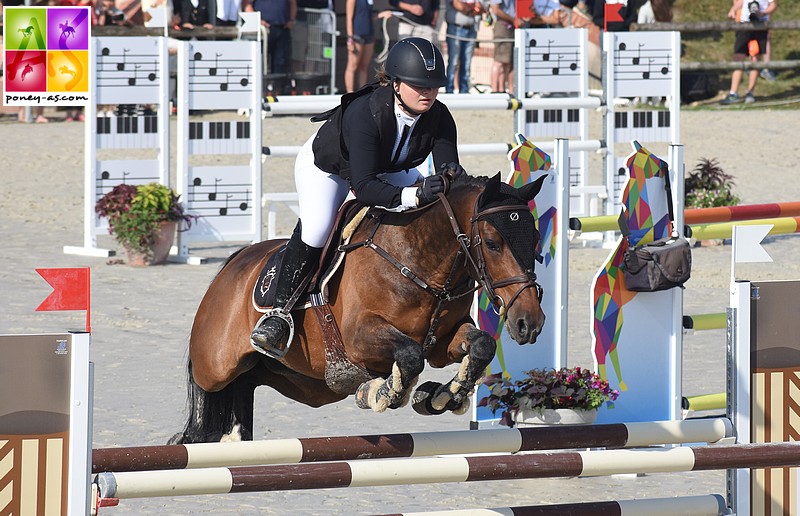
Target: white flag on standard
{"points": [[747, 244]]}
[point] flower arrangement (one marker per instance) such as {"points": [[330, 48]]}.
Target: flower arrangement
{"points": [[708, 186], [135, 214], [540, 389]]}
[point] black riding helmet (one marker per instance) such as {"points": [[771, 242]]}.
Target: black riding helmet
{"points": [[418, 62]]}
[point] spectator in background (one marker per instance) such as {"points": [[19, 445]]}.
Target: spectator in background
{"points": [[505, 14], [228, 12], [751, 43], [360, 43], [546, 13], [198, 13], [419, 18], [279, 17], [462, 17]]}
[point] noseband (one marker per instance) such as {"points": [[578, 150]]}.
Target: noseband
{"points": [[477, 269]]}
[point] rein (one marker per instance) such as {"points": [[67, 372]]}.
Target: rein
{"points": [[476, 269]]}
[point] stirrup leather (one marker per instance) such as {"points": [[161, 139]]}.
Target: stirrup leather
{"points": [[275, 352]]}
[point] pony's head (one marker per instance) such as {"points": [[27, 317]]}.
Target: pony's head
{"points": [[505, 234]]}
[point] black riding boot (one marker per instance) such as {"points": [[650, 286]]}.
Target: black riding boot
{"points": [[298, 262]]}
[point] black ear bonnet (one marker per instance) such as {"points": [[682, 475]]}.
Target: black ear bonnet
{"points": [[516, 226]]}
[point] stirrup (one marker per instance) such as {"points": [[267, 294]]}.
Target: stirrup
{"points": [[273, 351]]}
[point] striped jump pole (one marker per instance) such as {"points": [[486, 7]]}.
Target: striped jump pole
{"points": [[742, 212], [424, 444], [432, 470], [701, 505], [699, 216]]}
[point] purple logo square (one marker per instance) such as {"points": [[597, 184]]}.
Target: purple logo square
{"points": [[68, 28]]}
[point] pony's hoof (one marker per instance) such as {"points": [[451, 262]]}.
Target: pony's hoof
{"points": [[367, 393], [421, 401]]}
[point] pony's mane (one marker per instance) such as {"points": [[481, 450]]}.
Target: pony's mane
{"points": [[466, 180]]}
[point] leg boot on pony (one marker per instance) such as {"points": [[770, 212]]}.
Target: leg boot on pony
{"points": [[273, 335]]}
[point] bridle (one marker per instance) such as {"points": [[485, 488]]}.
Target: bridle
{"points": [[476, 266], [478, 270]]}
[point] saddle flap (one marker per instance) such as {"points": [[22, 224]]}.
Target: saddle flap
{"points": [[347, 213]]}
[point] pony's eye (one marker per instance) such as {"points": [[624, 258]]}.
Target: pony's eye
{"points": [[492, 245]]}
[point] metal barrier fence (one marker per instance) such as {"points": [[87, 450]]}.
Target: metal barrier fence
{"points": [[314, 52]]}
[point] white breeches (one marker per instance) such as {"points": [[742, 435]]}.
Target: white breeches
{"points": [[320, 195]]}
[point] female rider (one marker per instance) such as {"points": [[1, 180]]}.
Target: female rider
{"points": [[372, 144]]}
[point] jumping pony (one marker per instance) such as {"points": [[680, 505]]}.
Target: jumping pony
{"points": [[400, 297]]}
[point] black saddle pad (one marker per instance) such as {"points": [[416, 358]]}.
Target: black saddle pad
{"points": [[264, 293]]}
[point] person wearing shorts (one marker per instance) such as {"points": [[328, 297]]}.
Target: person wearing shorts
{"points": [[749, 43], [505, 13], [360, 43]]}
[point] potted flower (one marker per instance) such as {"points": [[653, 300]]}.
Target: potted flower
{"points": [[708, 186], [548, 396], [143, 219]]}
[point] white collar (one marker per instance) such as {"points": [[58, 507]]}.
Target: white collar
{"points": [[404, 117]]}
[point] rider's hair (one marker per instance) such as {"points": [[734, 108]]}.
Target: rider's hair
{"points": [[382, 77]]}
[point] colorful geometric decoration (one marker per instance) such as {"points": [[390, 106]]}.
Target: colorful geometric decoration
{"points": [[610, 295], [527, 161]]}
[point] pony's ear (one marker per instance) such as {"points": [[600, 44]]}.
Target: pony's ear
{"points": [[529, 191], [490, 191]]}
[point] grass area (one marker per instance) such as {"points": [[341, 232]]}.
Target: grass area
{"points": [[783, 93]]}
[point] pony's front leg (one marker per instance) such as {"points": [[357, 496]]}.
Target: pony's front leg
{"points": [[393, 391], [476, 349]]}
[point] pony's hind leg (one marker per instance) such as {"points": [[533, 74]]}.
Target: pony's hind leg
{"points": [[393, 391], [432, 398], [226, 415]]}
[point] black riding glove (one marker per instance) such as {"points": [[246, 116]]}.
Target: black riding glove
{"points": [[431, 186], [451, 170]]}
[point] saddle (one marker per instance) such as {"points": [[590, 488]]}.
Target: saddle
{"points": [[341, 374], [347, 221]]}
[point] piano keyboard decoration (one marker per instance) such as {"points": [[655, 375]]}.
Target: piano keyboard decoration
{"points": [[553, 123], [127, 132], [643, 126], [230, 137]]}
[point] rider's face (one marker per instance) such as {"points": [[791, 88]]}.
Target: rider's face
{"points": [[417, 98]]}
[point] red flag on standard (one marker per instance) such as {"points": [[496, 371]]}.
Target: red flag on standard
{"points": [[70, 289]]}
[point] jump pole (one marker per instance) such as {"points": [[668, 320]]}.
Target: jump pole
{"points": [[385, 472], [699, 505], [695, 216], [465, 149], [424, 444]]}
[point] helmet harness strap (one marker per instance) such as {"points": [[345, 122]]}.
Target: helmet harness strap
{"points": [[400, 99]]}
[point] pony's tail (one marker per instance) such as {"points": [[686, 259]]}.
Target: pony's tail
{"points": [[212, 416]]}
